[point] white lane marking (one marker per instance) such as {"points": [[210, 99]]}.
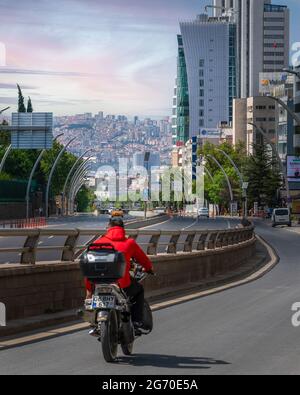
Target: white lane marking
{"points": [[40, 242], [190, 226], [161, 223], [50, 237]]}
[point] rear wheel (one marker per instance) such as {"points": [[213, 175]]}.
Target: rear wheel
{"points": [[127, 348], [109, 337], [148, 317]]}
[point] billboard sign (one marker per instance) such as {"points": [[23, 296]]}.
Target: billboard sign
{"points": [[32, 130], [293, 168], [210, 133], [273, 83]]}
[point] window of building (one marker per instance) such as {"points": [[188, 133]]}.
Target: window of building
{"points": [[201, 63], [201, 103], [201, 122], [201, 92], [274, 28], [201, 83], [273, 53], [271, 45], [278, 62], [274, 36], [266, 19]]}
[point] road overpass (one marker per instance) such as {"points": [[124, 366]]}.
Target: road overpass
{"points": [[245, 330]]}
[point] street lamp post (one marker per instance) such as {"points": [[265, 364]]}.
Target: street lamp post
{"points": [[68, 178], [80, 177], [79, 185], [244, 185], [32, 174], [51, 175], [4, 109], [282, 168], [226, 177], [212, 180], [7, 152], [286, 107], [290, 71], [78, 172]]}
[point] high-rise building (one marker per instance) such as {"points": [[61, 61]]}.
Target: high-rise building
{"points": [[259, 111], [182, 96], [206, 80], [296, 142], [262, 39]]}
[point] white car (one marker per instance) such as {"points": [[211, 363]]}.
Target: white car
{"points": [[281, 216], [203, 212]]}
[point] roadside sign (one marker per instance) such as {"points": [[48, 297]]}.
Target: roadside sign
{"points": [[32, 130]]}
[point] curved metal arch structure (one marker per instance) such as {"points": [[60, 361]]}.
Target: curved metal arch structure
{"points": [[63, 150], [69, 176], [7, 152], [78, 173], [225, 174], [32, 174]]}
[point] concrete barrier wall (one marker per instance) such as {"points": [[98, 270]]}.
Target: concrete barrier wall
{"points": [[29, 291]]}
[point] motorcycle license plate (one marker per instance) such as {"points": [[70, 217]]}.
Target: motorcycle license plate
{"points": [[104, 302]]}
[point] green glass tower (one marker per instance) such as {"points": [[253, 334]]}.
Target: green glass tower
{"points": [[182, 96]]}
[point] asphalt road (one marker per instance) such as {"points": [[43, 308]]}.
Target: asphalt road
{"points": [[245, 330]]}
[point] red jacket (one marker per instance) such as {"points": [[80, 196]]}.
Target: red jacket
{"points": [[116, 236]]}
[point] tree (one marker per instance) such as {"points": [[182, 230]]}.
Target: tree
{"points": [[62, 170], [29, 105], [21, 105], [217, 191], [4, 136], [85, 200], [264, 177]]}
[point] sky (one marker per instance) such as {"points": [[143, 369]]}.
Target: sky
{"points": [[116, 56]]}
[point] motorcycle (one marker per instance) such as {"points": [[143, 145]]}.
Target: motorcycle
{"points": [[109, 309]]}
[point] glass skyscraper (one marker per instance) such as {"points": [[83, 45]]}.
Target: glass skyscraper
{"points": [[206, 75], [182, 132]]}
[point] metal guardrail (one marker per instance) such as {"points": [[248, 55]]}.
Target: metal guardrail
{"points": [[171, 242], [36, 222]]}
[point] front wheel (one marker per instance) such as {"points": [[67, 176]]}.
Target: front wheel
{"points": [[109, 337]]}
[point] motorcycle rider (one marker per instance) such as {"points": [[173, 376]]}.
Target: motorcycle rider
{"points": [[135, 291]]}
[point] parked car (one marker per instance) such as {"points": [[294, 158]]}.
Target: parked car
{"points": [[203, 212], [281, 216]]}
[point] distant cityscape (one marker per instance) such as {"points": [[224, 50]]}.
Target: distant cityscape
{"points": [[115, 136]]}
